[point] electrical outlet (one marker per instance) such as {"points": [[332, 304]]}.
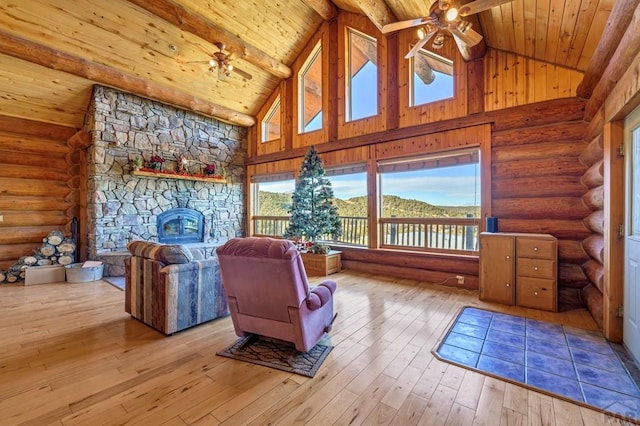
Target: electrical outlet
{"points": [[460, 279]]}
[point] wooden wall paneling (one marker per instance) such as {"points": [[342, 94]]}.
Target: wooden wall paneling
{"points": [[331, 75], [322, 135], [367, 125], [518, 80], [566, 186], [392, 68], [345, 157], [256, 144], [475, 86], [434, 111], [614, 216], [373, 201], [558, 132], [571, 251]]}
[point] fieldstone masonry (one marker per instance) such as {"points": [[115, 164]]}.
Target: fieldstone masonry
{"points": [[123, 207]]}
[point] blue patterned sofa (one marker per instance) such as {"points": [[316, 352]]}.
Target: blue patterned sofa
{"points": [[170, 289]]}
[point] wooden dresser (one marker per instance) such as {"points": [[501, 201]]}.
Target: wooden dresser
{"points": [[519, 269]]}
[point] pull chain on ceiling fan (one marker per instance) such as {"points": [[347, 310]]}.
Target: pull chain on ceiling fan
{"points": [[446, 16]]}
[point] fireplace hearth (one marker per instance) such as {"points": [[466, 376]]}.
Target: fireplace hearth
{"points": [[181, 226]]}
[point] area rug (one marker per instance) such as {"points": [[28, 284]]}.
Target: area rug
{"points": [[566, 362], [278, 354]]}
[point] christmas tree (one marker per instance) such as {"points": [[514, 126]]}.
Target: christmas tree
{"points": [[312, 211]]}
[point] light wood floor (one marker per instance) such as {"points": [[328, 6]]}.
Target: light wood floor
{"points": [[69, 354]]}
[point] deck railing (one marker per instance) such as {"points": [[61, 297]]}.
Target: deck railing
{"points": [[448, 234]]}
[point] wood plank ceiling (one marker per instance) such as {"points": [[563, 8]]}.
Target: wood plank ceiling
{"points": [[164, 43]]}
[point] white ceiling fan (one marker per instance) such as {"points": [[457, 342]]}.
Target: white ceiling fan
{"points": [[445, 16]]}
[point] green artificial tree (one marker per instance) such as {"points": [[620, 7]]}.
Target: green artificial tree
{"points": [[312, 211]]}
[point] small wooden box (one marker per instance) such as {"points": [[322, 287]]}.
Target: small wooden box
{"points": [[322, 264]]}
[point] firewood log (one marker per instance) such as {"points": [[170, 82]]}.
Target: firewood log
{"points": [[47, 250], [44, 261], [65, 259], [11, 278], [66, 247], [30, 260], [55, 237], [3, 276]]}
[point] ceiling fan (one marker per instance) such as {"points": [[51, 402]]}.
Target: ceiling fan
{"points": [[220, 63], [446, 16]]}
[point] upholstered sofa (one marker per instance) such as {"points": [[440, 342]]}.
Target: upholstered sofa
{"points": [[269, 295], [170, 289]]}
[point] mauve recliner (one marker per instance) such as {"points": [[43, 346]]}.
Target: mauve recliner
{"points": [[268, 293]]}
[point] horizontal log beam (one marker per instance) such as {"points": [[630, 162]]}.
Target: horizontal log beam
{"points": [[377, 11], [594, 247], [31, 204], [594, 151], [594, 198], [571, 251], [25, 234], [325, 8], [572, 276], [594, 270], [14, 142], [52, 219], [594, 176], [540, 208], [559, 228], [626, 52], [536, 151], [569, 131], [595, 222], [617, 24], [102, 74], [558, 166], [534, 186], [594, 302], [33, 187], [36, 129]]}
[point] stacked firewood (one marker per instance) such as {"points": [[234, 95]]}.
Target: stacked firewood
{"points": [[55, 250]]}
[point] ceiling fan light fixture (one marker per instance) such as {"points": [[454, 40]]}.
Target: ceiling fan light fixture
{"points": [[463, 26], [421, 33], [451, 14], [444, 4], [438, 41]]}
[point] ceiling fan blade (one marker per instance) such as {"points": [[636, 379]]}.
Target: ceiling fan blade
{"points": [[401, 25], [468, 37], [480, 6], [243, 74], [416, 47]]}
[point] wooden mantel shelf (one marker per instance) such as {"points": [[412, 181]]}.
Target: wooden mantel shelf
{"points": [[169, 175]]}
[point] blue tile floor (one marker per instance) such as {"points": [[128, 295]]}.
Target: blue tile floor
{"points": [[572, 363]]}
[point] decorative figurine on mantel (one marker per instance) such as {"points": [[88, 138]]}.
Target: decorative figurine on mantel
{"points": [[155, 162]]}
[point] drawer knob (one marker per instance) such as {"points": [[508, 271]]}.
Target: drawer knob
{"points": [[535, 249], [535, 293], [508, 257], [535, 268], [508, 285]]}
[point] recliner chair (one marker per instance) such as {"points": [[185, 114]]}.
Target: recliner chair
{"points": [[268, 293]]}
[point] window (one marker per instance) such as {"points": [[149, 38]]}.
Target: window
{"points": [[362, 76], [271, 123], [310, 92], [271, 203], [349, 186], [431, 203], [431, 78]]}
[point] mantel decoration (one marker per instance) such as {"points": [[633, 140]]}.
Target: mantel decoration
{"points": [[312, 211], [154, 168]]}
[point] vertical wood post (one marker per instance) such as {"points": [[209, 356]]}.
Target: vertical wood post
{"points": [[614, 213]]}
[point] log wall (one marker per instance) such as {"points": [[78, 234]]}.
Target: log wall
{"points": [[39, 184]]}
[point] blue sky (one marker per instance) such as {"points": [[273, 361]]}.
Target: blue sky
{"points": [[448, 186]]}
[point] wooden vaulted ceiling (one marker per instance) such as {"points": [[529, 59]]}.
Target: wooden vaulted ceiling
{"points": [[53, 51]]}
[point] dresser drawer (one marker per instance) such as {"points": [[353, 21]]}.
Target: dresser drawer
{"points": [[538, 268], [536, 247], [536, 293]]}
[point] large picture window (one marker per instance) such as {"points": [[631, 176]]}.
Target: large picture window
{"points": [[349, 186], [310, 92], [362, 76], [431, 203], [271, 195], [431, 78]]}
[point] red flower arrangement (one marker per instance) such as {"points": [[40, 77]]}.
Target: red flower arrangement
{"points": [[209, 170]]}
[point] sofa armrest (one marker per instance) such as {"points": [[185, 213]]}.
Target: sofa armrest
{"points": [[321, 294], [191, 266]]}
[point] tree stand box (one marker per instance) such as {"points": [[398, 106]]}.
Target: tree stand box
{"points": [[44, 274], [322, 264]]}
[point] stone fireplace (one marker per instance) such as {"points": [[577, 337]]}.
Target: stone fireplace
{"points": [[123, 206]]}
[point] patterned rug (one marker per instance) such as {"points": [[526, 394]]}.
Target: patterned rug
{"points": [[566, 362], [278, 354]]}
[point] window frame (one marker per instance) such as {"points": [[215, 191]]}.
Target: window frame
{"points": [[275, 108], [349, 31], [316, 54], [434, 56]]}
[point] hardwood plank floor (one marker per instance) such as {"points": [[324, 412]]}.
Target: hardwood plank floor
{"points": [[70, 355]]}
